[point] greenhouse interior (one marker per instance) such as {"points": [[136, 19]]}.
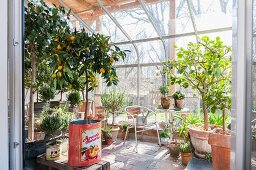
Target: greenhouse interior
{"points": [[129, 84]]}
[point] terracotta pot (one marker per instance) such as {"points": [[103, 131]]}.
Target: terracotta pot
{"points": [[39, 135], [109, 141], [199, 139], [123, 135], [114, 132], [185, 158], [220, 150], [174, 148], [180, 104], [89, 109], [165, 102]]}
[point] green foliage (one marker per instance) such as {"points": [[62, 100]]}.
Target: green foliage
{"points": [[46, 93], [178, 95], [113, 102], [74, 98], [186, 147], [217, 119], [208, 156], [106, 132], [125, 125], [165, 134], [164, 90], [206, 67]]}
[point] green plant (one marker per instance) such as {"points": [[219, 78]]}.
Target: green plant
{"points": [[164, 90], [37, 41], [186, 147], [74, 98], [78, 58], [208, 156], [124, 125], [178, 95], [206, 67], [112, 102], [217, 119], [165, 133], [46, 93], [106, 133]]}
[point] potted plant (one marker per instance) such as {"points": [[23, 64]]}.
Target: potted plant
{"points": [[220, 138], [174, 148], [113, 102], [165, 136], [178, 97], [37, 36], [125, 126], [51, 123], [165, 101], [74, 100], [201, 66], [107, 136], [186, 152], [38, 133]]}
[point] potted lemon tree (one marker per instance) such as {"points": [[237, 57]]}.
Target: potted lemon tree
{"points": [[201, 66]]}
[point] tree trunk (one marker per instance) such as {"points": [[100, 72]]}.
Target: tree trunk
{"points": [[224, 121], [86, 98], [113, 118], [31, 98], [206, 125]]}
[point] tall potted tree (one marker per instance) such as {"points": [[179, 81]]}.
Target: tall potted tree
{"points": [[201, 66], [37, 40], [84, 55]]}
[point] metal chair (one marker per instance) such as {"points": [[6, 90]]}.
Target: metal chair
{"points": [[137, 119]]}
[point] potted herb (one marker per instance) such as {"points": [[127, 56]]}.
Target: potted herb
{"points": [[165, 136], [113, 102], [107, 135], [38, 133], [186, 152], [125, 126], [165, 101], [201, 66], [178, 97], [74, 100]]}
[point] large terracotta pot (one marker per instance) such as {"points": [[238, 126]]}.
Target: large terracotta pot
{"points": [[114, 132], [165, 102], [185, 158], [199, 139], [220, 150]]}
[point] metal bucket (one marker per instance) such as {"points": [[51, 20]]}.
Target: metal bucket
{"points": [[84, 143]]}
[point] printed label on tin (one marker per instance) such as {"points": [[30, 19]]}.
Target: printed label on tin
{"points": [[90, 144]]}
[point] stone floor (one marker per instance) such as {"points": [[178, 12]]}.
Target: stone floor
{"points": [[150, 156]]}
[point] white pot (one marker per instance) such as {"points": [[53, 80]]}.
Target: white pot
{"points": [[53, 151], [165, 140]]}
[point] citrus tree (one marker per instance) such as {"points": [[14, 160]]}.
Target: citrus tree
{"points": [[205, 66], [42, 22], [80, 56]]}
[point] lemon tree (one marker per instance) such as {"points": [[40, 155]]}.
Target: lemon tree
{"points": [[80, 57]]}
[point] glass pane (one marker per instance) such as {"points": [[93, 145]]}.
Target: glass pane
{"points": [[212, 14], [226, 36], [131, 56], [151, 52], [136, 23]]}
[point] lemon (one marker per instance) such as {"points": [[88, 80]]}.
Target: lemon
{"points": [[60, 68], [110, 71], [56, 39], [59, 74], [102, 70], [71, 38], [87, 49], [54, 76], [59, 47]]}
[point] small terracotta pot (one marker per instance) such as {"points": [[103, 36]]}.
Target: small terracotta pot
{"points": [[174, 148], [123, 135], [39, 135], [109, 141], [180, 104], [220, 150], [185, 158], [165, 102]]}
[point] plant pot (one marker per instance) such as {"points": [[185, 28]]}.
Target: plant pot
{"points": [[54, 104], [109, 141], [165, 102], [199, 139], [53, 150], [114, 132], [39, 135], [220, 144], [84, 143], [164, 141], [185, 158], [89, 109], [123, 135], [38, 108], [64, 145], [174, 148], [180, 104], [73, 108]]}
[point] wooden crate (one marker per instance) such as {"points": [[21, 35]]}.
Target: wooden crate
{"points": [[61, 164]]}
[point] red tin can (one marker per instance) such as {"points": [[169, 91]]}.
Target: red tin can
{"points": [[84, 143]]}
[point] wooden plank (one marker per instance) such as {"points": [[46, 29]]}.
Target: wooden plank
{"points": [[61, 164]]}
